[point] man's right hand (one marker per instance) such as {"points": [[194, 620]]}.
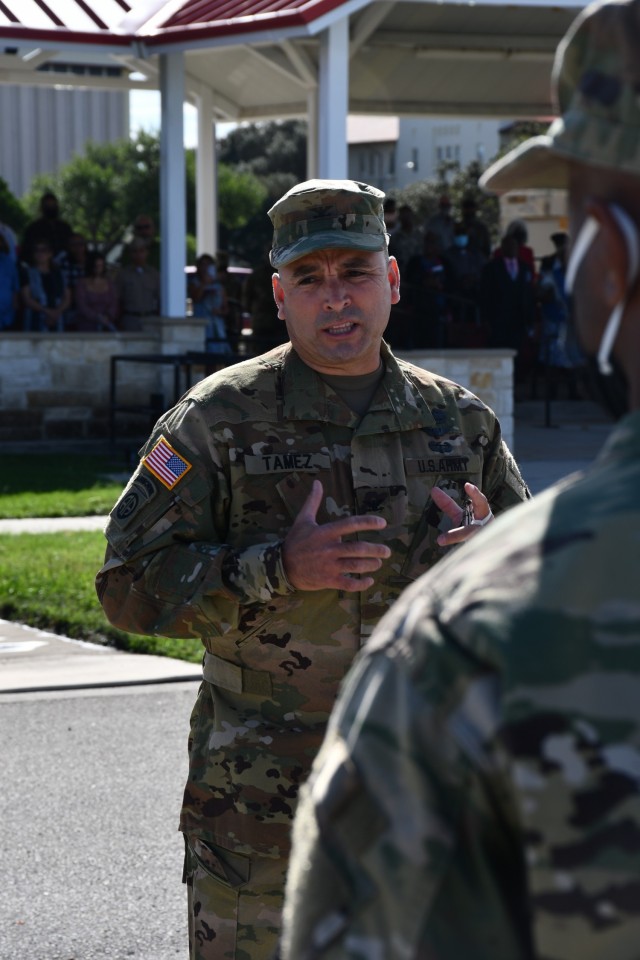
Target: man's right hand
{"points": [[316, 557]]}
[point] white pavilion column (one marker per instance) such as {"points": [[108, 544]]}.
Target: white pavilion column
{"points": [[312, 134], [173, 201], [206, 175], [333, 101]]}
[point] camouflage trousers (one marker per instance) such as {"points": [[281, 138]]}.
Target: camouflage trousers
{"points": [[234, 903]]}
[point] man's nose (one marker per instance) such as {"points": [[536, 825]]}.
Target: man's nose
{"points": [[336, 294]]}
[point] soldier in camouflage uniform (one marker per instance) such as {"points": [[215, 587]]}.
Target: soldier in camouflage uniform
{"points": [[278, 510], [478, 791]]}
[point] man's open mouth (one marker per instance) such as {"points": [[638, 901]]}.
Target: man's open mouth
{"points": [[340, 328]]}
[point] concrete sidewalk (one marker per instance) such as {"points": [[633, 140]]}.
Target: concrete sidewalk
{"points": [[34, 661], [554, 440], [550, 442]]}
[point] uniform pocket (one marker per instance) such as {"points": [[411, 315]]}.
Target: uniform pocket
{"points": [[214, 878], [219, 864]]}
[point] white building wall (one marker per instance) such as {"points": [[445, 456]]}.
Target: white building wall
{"points": [[422, 144], [41, 128], [373, 163]]}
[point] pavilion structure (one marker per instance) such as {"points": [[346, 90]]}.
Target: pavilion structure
{"points": [[256, 59]]}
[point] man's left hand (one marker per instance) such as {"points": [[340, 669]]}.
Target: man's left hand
{"points": [[459, 532]]}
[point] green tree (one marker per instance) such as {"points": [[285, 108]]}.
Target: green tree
{"points": [[276, 154], [102, 191], [268, 148], [518, 131], [11, 210], [456, 183], [240, 195]]}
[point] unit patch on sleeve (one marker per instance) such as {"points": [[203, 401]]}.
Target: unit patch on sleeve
{"points": [[166, 464]]}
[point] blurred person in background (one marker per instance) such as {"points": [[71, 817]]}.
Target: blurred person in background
{"points": [[138, 286], [210, 302], [48, 228], [9, 286], [96, 298], [45, 296]]}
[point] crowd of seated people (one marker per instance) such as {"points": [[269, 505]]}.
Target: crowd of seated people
{"points": [[461, 290], [441, 265], [50, 281]]}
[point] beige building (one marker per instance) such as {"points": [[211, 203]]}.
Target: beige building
{"points": [[41, 128]]}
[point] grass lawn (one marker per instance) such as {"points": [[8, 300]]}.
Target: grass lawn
{"points": [[59, 485], [46, 581]]}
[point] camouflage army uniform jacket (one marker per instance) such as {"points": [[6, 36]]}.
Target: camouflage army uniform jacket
{"points": [[477, 794], [195, 551]]}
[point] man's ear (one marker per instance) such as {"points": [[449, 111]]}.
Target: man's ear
{"points": [[278, 295], [394, 280], [611, 253]]}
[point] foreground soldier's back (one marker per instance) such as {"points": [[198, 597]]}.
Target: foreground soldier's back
{"points": [[477, 795]]}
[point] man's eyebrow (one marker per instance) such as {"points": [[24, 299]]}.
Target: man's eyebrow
{"points": [[358, 261], [305, 269]]}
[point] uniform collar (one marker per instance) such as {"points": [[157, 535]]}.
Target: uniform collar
{"points": [[396, 405]]}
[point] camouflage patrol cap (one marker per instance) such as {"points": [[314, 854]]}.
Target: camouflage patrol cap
{"points": [[596, 92], [318, 214]]}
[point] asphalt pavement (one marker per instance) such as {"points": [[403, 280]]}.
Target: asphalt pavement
{"points": [[91, 855], [94, 759]]}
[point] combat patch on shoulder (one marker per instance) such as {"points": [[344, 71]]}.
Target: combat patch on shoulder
{"points": [[166, 464], [140, 492]]}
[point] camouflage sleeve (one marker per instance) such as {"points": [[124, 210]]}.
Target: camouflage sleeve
{"points": [[389, 838], [503, 484], [168, 569]]}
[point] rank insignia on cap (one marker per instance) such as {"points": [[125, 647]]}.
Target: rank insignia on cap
{"points": [[166, 464]]}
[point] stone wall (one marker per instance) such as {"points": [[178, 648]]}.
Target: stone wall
{"points": [[55, 386], [58, 385], [487, 373]]}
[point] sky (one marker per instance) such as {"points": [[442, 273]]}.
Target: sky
{"points": [[144, 114]]}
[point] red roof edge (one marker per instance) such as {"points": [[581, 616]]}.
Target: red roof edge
{"points": [[176, 35], [66, 37], [242, 25]]}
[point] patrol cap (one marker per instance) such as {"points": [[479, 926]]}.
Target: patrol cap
{"points": [[595, 90], [318, 214]]}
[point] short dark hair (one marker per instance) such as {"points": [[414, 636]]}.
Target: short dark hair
{"points": [[92, 259]]}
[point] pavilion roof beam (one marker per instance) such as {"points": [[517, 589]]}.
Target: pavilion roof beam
{"points": [[73, 81], [425, 40], [485, 55], [366, 23], [194, 87], [32, 59], [274, 111], [302, 62], [412, 108], [279, 62], [139, 65]]}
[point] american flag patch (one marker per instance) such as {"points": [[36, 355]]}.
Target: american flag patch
{"points": [[167, 465]]}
